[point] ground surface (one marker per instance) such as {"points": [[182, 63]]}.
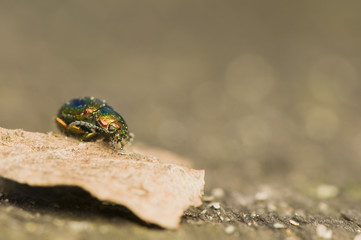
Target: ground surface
{"points": [[71, 213], [259, 211]]}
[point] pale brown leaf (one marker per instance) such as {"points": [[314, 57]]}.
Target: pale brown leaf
{"points": [[154, 184]]}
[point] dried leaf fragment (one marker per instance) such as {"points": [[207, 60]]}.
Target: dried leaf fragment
{"points": [[156, 190]]}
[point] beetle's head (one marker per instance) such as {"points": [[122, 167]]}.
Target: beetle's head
{"points": [[120, 133], [113, 125]]}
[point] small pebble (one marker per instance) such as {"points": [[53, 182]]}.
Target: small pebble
{"points": [[323, 232], [217, 192], [271, 207], [279, 225], [357, 237], [326, 191], [243, 214], [261, 196], [215, 205], [293, 222], [208, 198], [323, 206], [220, 217], [229, 229]]}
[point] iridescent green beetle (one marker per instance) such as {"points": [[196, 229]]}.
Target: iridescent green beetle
{"points": [[89, 119]]}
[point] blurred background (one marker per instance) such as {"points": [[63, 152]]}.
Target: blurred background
{"points": [[252, 91]]}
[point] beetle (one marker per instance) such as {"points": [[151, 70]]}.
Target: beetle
{"points": [[89, 119]]}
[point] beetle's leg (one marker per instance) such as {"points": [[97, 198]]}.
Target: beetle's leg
{"points": [[91, 127], [120, 152], [75, 129], [61, 123], [89, 134], [114, 142], [71, 127]]}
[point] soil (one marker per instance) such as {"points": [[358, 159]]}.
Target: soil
{"points": [[259, 211]]}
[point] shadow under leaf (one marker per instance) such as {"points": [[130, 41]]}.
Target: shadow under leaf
{"points": [[69, 201]]}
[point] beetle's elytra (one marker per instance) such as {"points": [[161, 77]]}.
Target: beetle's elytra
{"points": [[89, 119]]}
